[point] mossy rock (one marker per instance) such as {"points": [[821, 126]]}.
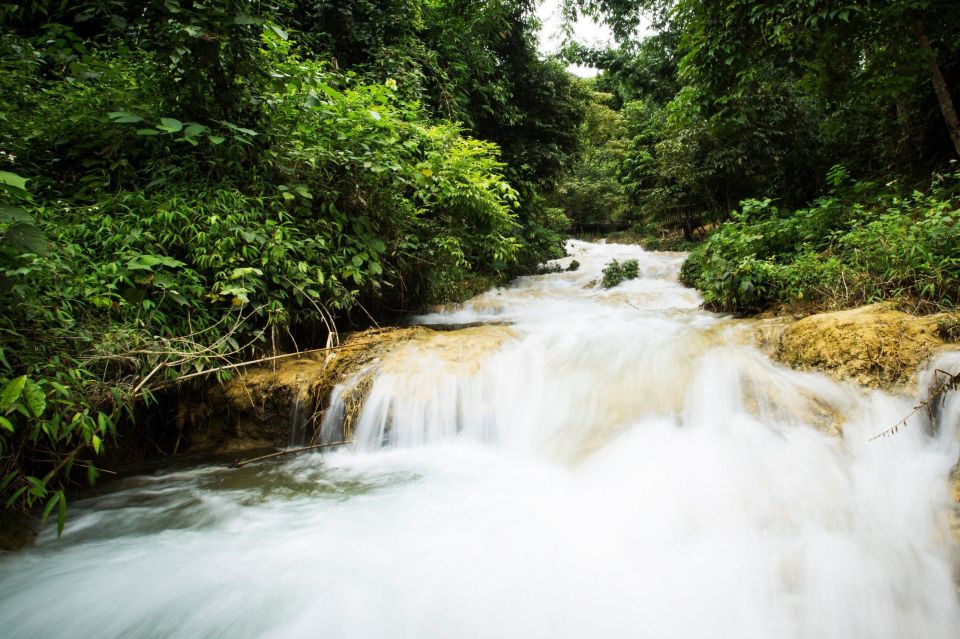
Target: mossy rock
{"points": [[877, 345], [253, 410]]}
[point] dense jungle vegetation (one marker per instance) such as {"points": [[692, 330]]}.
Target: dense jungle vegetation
{"points": [[817, 138], [187, 184]]}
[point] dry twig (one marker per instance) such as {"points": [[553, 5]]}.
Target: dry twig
{"points": [[951, 383], [288, 451]]}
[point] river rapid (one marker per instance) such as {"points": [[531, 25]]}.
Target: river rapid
{"points": [[579, 462]]}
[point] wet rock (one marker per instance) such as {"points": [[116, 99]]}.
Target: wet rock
{"points": [[875, 345], [253, 410], [15, 531]]}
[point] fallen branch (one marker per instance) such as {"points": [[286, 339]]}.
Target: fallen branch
{"points": [[217, 369], [289, 451], [146, 379], [952, 383], [252, 362]]}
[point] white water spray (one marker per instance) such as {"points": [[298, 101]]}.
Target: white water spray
{"points": [[582, 463]]}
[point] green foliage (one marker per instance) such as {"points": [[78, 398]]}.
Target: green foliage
{"points": [[617, 272], [755, 100], [208, 183], [591, 193], [949, 329], [644, 70], [475, 63], [861, 244]]}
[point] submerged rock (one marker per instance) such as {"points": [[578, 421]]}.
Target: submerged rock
{"points": [[16, 531], [875, 345]]}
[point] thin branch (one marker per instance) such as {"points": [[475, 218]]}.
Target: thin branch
{"points": [[262, 360], [952, 383], [146, 379], [289, 451]]}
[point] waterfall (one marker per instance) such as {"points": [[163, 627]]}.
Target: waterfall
{"points": [[299, 416], [562, 460]]}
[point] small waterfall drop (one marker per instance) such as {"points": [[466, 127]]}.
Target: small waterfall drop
{"points": [[299, 418]]}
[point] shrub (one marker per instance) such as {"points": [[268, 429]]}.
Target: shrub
{"points": [[616, 272], [861, 244]]}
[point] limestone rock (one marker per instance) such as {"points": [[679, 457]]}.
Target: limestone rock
{"points": [[874, 345]]}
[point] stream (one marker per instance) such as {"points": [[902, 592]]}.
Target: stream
{"points": [[574, 462]]}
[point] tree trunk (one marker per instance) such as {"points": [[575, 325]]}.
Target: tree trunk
{"points": [[940, 87]]}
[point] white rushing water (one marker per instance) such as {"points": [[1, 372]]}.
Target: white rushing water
{"points": [[582, 463]]}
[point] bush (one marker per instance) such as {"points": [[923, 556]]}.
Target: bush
{"points": [[616, 272], [861, 244]]}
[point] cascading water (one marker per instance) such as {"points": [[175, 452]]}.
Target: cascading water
{"points": [[579, 462], [298, 420]]}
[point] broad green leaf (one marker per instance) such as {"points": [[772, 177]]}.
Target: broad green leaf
{"points": [[215, 139], [170, 125], [97, 442], [133, 295], [330, 91], [11, 214], [239, 129], [142, 263], [12, 393], [104, 423], [26, 238], [34, 398], [6, 424], [147, 132], [193, 130], [13, 180], [244, 271], [147, 262]]}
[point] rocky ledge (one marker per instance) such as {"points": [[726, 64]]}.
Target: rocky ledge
{"points": [[877, 345]]}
